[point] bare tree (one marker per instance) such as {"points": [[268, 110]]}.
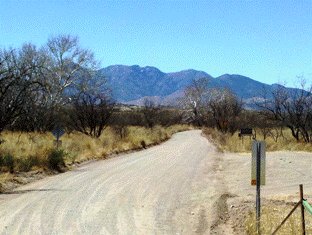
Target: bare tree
{"points": [[150, 112], [91, 113], [19, 70], [225, 108], [68, 69], [67, 66], [196, 97], [36, 85], [268, 125], [293, 108]]}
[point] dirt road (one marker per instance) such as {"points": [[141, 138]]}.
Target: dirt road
{"points": [[182, 186], [167, 189]]}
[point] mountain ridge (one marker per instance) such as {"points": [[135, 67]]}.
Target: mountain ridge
{"points": [[131, 84]]}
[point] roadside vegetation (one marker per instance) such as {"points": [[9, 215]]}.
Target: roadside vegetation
{"points": [[271, 217], [22, 151], [226, 142], [57, 87]]}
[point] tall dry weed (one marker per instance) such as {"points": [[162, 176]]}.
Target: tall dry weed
{"points": [[271, 218]]}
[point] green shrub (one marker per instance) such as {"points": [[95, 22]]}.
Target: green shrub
{"points": [[143, 144], [7, 161], [26, 164], [56, 159]]}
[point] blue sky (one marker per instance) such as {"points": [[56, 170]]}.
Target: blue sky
{"points": [[269, 41]]}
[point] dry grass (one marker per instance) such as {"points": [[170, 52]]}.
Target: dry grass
{"points": [[233, 143], [273, 215], [31, 150]]}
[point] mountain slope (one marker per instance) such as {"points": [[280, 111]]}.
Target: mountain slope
{"points": [[131, 84], [242, 86]]}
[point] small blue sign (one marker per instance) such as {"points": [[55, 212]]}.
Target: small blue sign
{"points": [[58, 132]]}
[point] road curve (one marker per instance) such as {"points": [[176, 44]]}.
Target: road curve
{"points": [[166, 189]]}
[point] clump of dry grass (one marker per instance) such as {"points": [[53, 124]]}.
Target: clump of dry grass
{"points": [[28, 151], [233, 143], [272, 216]]}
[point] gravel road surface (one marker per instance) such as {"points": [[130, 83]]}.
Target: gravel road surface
{"points": [[183, 186], [167, 189]]}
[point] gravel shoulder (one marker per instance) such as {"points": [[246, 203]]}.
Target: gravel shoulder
{"points": [[285, 170]]}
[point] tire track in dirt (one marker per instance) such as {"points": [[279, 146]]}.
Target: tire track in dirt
{"points": [[167, 189]]}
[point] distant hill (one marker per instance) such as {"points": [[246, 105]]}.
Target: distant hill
{"points": [[134, 82], [131, 84]]}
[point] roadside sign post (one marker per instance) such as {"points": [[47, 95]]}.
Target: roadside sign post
{"points": [[258, 174], [58, 132], [245, 131], [258, 205]]}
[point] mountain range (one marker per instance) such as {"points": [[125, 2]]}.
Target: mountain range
{"points": [[131, 84]]}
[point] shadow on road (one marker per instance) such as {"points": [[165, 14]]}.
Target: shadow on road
{"points": [[30, 190]]}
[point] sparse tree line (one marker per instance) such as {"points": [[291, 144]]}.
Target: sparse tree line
{"points": [[276, 110], [48, 86], [291, 109], [55, 85], [214, 107]]}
